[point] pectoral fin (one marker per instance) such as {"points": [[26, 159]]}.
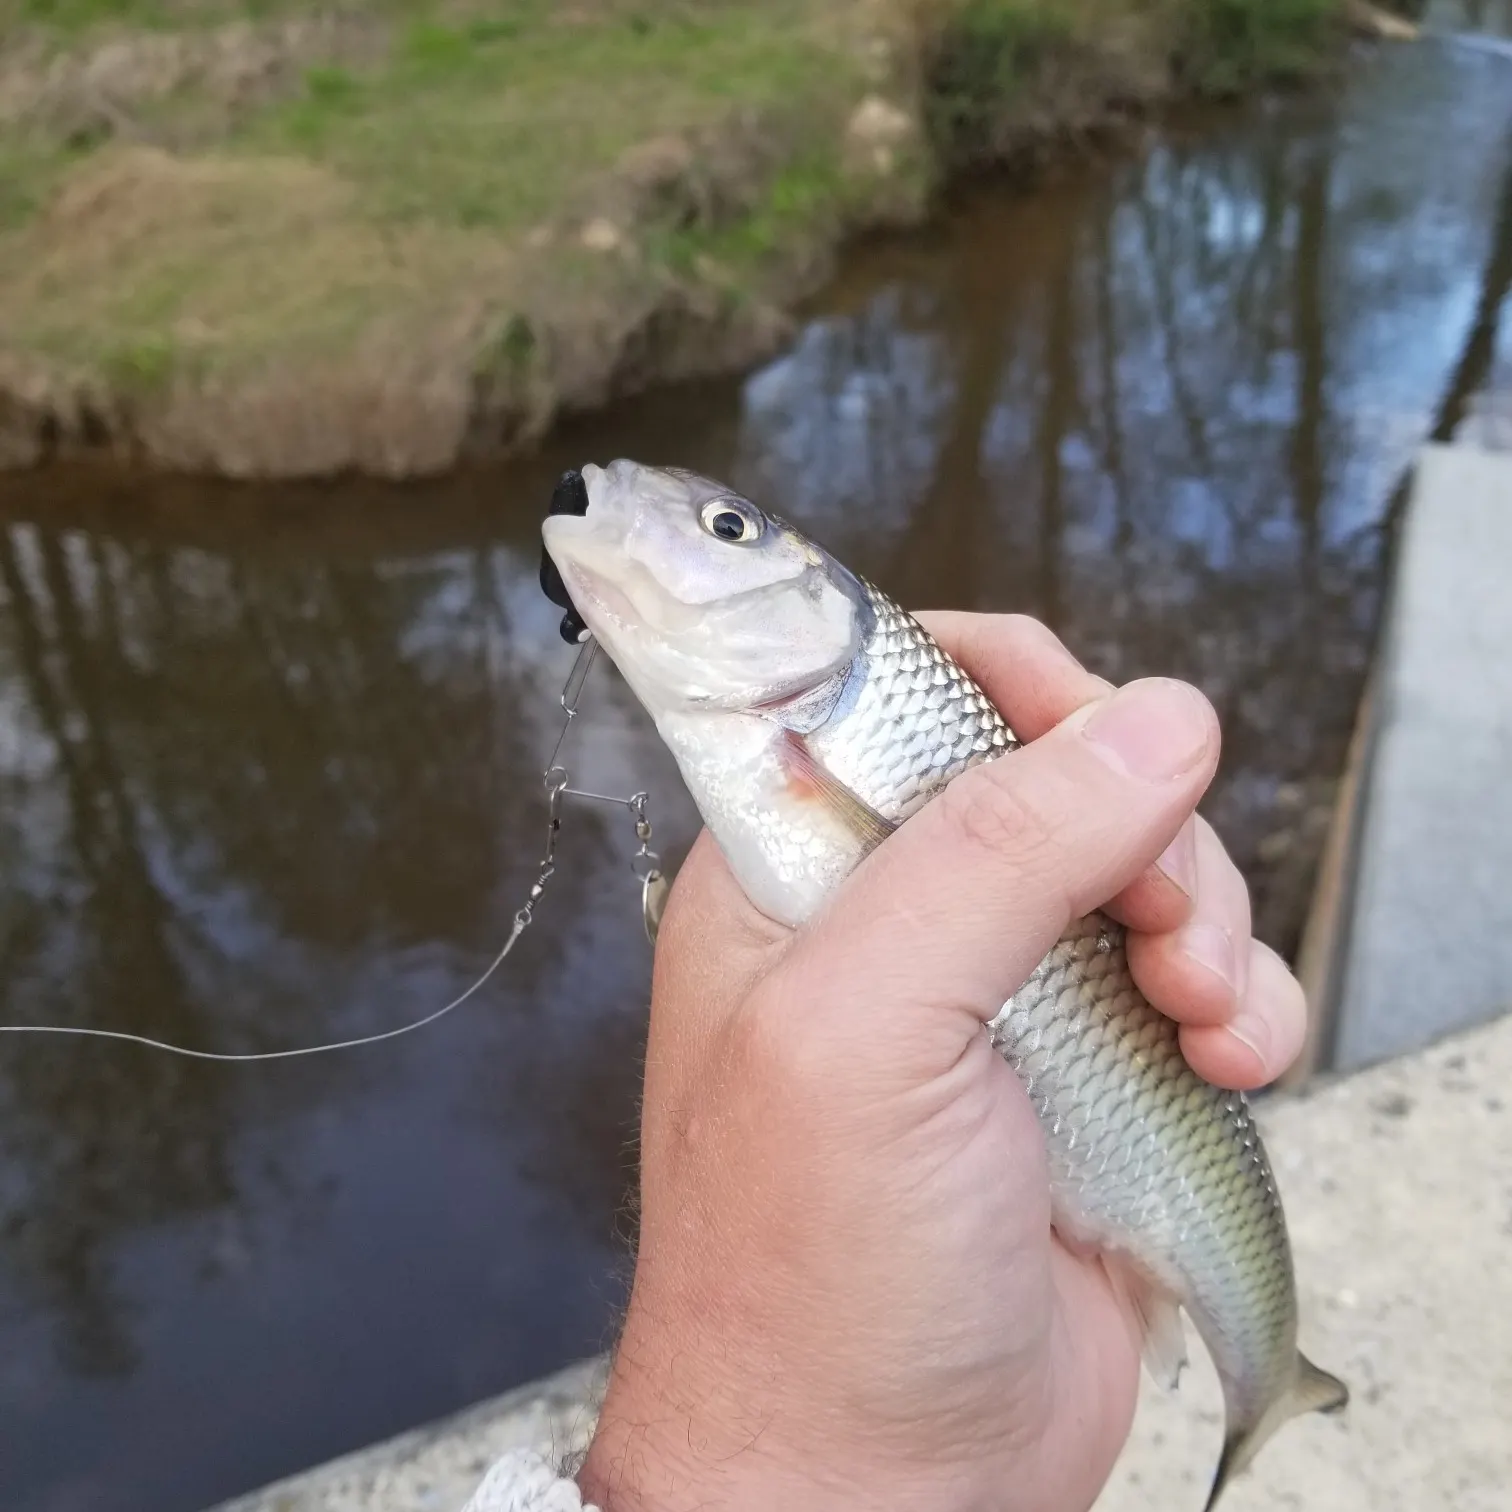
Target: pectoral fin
{"points": [[809, 779]]}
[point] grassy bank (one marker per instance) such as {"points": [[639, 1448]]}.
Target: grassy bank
{"points": [[263, 238]]}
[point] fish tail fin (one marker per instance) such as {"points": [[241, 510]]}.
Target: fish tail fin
{"points": [[1313, 1390]]}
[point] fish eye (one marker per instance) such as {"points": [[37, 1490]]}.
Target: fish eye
{"points": [[731, 520]]}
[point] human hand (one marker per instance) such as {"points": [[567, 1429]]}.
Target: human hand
{"points": [[848, 1293]]}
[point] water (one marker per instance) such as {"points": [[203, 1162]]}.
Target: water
{"points": [[269, 760]]}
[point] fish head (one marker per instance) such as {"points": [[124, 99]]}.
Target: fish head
{"points": [[703, 600]]}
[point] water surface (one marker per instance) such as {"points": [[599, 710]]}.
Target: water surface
{"points": [[269, 760]]}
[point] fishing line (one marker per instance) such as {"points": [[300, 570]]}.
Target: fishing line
{"points": [[266, 1055], [645, 863], [570, 497]]}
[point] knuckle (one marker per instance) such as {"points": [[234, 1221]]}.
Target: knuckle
{"points": [[1213, 855], [1287, 997], [1024, 627], [987, 811]]}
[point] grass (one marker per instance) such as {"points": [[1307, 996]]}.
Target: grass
{"points": [[372, 195], [64, 19], [1231, 43], [29, 171], [807, 197], [143, 367], [483, 122], [388, 192], [983, 61], [989, 53]]}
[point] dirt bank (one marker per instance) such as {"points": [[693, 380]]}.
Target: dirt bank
{"points": [[385, 238]]}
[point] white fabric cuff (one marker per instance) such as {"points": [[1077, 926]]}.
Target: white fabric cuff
{"points": [[524, 1482]]}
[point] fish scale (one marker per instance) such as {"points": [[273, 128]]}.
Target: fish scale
{"points": [[911, 719]]}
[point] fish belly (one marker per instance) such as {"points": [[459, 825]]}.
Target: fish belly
{"points": [[1149, 1163]]}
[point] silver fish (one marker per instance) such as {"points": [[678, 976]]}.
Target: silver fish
{"points": [[778, 678]]}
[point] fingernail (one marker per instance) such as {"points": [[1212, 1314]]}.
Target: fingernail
{"points": [[1155, 730], [1252, 1030], [1212, 947], [1179, 862]]}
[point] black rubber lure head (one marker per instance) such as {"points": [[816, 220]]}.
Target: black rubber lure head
{"points": [[570, 496]]}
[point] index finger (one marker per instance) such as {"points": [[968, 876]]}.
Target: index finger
{"points": [[1035, 682], [1022, 665]]}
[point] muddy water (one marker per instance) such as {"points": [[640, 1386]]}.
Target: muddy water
{"points": [[268, 763]]}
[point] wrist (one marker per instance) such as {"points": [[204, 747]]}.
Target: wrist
{"points": [[697, 1418], [676, 1433]]}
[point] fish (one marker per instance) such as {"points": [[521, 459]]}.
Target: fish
{"points": [[810, 716]]}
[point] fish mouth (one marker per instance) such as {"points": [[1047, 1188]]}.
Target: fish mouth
{"points": [[616, 595], [605, 608], [591, 567]]}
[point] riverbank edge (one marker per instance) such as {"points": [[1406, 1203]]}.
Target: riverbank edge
{"points": [[687, 261]]}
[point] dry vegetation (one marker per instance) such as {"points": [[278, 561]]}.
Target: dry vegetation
{"points": [[261, 239]]}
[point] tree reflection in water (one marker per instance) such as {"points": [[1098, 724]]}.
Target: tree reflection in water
{"points": [[269, 765], [261, 800], [1180, 393]]}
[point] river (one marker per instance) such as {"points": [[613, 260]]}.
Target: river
{"points": [[269, 759]]}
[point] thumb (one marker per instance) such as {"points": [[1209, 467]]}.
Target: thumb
{"points": [[960, 905]]}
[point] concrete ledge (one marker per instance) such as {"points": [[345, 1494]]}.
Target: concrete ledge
{"points": [[1398, 1183], [1398, 1187], [436, 1468], [1428, 943]]}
